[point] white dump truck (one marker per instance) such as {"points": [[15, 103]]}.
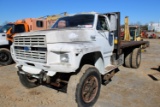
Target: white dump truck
{"points": [[80, 52]]}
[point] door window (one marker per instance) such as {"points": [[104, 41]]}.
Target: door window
{"points": [[19, 28], [101, 24], [39, 23]]}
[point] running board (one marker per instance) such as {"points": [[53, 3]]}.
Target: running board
{"points": [[107, 77], [110, 68]]}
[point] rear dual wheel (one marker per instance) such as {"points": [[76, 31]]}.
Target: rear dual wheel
{"points": [[136, 58], [133, 58], [128, 60]]}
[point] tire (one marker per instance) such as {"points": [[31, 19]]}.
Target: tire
{"points": [[136, 58], [85, 86], [5, 57], [128, 60], [27, 81]]}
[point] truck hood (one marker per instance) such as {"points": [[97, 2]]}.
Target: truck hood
{"points": [[64, 35]]}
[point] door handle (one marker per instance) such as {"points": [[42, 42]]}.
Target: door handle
{"points": [[3, 35]]}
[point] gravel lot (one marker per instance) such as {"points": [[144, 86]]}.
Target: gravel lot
{"points": [[128, 88]]}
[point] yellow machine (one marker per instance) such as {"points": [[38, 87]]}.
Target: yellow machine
{"points": [[127, 36], [135, 33], [131, 33]]}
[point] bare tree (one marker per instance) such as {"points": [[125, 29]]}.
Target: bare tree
{"points": [[4, 23], [138, 23]]}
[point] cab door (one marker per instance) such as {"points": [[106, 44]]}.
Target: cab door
{"points": [[107, 31], [104, 38], [4, 31], [3, 40]]}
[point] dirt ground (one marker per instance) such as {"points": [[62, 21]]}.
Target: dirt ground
{"points": [[128, 88]]}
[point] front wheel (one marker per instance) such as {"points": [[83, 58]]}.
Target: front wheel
{"points": [[5, 57], [85, 86], [27, 81]]}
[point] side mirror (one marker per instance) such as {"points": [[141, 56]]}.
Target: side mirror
{"points": [[113, 22]]}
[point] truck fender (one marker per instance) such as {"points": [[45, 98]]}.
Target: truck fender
{"points": [[99, 64]]}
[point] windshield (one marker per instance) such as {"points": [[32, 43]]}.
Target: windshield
{"points": [[5, 28], [134, 31], [85, 21]]}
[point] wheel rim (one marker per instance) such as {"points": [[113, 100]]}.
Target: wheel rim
{"points": [[90, 89], [3, 57]]}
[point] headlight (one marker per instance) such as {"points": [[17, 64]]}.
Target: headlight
{"points": [[64, 58]]}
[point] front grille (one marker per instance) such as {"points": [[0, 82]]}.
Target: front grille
{"points": [[30, 41], [31, 48], [36, 56]]}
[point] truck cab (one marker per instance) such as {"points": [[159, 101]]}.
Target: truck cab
{"points": [[26, 25], [8, 31]]}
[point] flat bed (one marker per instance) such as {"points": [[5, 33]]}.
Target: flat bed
{"points": [[127, 44]]}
